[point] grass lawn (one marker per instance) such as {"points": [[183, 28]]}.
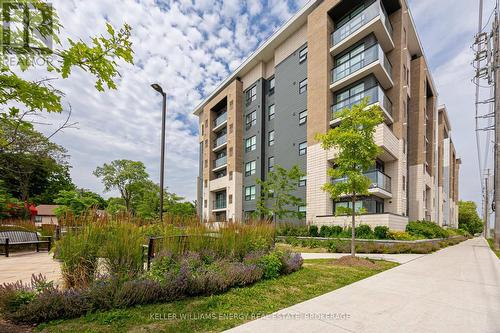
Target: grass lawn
{"points": [[497, 252], [317, 277]]}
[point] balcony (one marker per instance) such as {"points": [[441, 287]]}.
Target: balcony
{"points": [[373, 19], [220, 142], [220, 163], [219, 204], [375, 95], [380, 183], [371, 60], [389, 143], [220, 122]]}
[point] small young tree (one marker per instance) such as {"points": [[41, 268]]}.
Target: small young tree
{"points": [[356, 152], [276, 199]]}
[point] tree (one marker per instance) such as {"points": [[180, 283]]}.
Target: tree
{"points": [[277, 199], [76, 202], [34, 23], [356, 152], [125, 176], [468, 218], [33, 165]]}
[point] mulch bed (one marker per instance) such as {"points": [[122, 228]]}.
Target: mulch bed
{"points": [[355, 262], [11, 328]]}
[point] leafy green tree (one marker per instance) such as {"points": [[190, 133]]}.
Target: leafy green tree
{"points": [[33, 164], [277, 200], [128, 177], [175, 205], [468, 218], [21, 98], [76, 202], [115, 206], [356, 152]]}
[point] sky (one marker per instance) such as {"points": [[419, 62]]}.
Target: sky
{"points": [[190, 46]]}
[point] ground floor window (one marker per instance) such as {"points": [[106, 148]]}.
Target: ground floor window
{"points": [[368, 205]]}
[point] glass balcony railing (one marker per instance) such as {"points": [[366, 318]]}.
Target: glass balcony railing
{"points": [[220, 119], [378, 178], [220, 203], [220, 162], [220, 140], [374, 95], [361, 60], [358, 21]]}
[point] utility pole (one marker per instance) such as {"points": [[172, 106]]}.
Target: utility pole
{"points": [[496, 69], [486, 206]]}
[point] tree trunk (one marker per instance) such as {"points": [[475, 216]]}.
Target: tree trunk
{"points": [[353, 227]]}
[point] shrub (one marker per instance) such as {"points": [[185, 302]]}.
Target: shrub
{"points": [[330, 231], [381, 232], [313, 230], [290, 262], [401, 235], [364, 231], [271, 265], [426, 229]]}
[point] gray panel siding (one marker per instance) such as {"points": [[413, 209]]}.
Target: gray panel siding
{"points": [[255, 155]]}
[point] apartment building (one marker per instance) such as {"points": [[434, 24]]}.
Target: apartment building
{"points": [[329, 56], [448, 166]]}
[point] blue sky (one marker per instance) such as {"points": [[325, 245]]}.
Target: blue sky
{"points": [[189, 46]]}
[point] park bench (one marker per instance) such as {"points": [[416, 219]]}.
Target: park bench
{"points": [[21, 237]]}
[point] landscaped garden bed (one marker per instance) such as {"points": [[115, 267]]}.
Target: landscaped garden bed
{"points": [[219, 312], [420, 237]]}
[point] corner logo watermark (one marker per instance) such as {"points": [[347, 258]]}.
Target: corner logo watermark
{"points": [[27, 30]]}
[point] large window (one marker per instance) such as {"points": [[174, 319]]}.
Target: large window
{"points": [[250, 168], [303, 86], [270, 164], [303, 55], [303, 117], [252, 94], [370, 205], [250, 193], [251, 143], [251, 119], [271, 86], [303, 148], [303, 181], [271, 138], [271, 112]]}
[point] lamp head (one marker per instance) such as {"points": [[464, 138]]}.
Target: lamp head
{"points": [[157, 87]]}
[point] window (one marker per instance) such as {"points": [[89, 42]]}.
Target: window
{"points": [[271, 138], [251, 119], [250, 193], [303, 86], [404, 183], [302, 209], [250, 168], [251, 144], [252, 94], [205, 203], [303, 117], [303, 55], [303, 181], [202, 129], [270, 164], [271, 112], [271, 86], [303, 148]]}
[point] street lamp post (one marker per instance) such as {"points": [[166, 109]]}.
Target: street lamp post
{"points": [[158, 88]]}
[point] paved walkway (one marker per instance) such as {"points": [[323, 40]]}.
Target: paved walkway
{"points": [[453, 290], [402, 258], [21, 265]]}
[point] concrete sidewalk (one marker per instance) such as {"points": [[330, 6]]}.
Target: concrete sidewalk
{"points": [[402, 258], [456, 289], [21, 265]]}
